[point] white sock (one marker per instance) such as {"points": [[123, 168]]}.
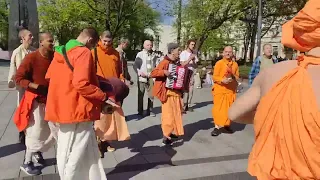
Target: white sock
{"points": [[216, 126]]}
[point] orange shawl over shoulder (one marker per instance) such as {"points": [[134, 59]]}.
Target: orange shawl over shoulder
{"points": [[159, 89], [287, 121], [22, 114]]}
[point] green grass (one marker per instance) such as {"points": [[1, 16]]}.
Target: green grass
{"points": [[244, 71]]}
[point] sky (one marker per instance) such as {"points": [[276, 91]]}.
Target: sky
{"points": [[161, 6]]}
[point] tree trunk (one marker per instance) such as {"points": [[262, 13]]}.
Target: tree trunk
{"points": [[247, 40], [253, 41], [200, 41], [179, 21], [108, 23]]}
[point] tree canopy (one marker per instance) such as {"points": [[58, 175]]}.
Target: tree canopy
{"points": [[215, 23], [4, 24], [129, 18]]}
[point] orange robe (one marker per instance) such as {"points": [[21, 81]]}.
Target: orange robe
{"points": [[171, 119], [287, 121], [107, 61], [22, 114], [223, 94], [110, 126]]}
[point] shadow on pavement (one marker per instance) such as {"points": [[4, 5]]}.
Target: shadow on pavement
{"points": [[133, 117], [191, 129], [128, 168], [202, 104], [157, 110], [11, 149], [4, 63], [237, 127]]}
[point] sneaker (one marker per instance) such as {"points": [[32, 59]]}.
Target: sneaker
{"points": [[190, 109], [167, 142], [173, 136], [29, 169], [110, 149], [215, 132], [38, 158], [152, 114]]}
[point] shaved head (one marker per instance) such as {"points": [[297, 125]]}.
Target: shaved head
{"points": [[44, 35], [106, 39], [46, 41], [106, 34], [148, 45], [26, 37], [228, 48], [89, 36], [23, 33], [91, 33], [228, 53]]}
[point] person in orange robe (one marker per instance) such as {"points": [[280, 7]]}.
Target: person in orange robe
{"points": [[108, 65], [225, 76], [106, 58], [112, 125], [171, 119], [283, 104], [74, 101]]}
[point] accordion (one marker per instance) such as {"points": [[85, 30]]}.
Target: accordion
{"points": [[179, 78]]}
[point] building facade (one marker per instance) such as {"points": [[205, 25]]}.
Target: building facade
{"points": [[166, 35]]}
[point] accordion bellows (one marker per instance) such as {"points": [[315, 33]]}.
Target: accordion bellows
{"points": [[179, 78]]}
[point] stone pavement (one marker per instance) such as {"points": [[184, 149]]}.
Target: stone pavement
{"points": [[198, 156]]}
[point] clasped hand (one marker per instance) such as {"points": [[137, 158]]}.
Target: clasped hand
{"points": [[226, 80]]}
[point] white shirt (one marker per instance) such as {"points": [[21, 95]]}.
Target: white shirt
{"points": [[16, 59], [143, 56], [184, 56]]}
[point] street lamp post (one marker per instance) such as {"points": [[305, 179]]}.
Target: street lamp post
{"points": [[259, 28]]}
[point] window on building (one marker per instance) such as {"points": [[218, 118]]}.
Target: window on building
{"points": [[275, 50]]}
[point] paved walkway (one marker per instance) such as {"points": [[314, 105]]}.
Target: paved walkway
{"points": [[198, 156]]}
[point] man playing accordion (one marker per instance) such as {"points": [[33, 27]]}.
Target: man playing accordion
{"points": [[170, 97]]}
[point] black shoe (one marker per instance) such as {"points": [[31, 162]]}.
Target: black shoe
{"points": [[173, 136], [190, 109], [186, 109], [228, 130], [30, 169], [215, 132], [167, 142], [22, 137], [38, 158]]}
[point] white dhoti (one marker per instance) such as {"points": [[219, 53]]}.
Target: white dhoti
{"points": [[39, 137], [78, 155], [209, 80], [197, 80]]}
